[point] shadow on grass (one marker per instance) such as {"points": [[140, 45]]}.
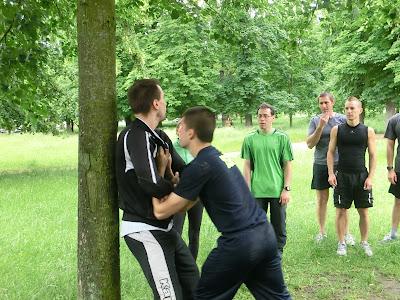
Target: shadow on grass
{"points": [[33, 171]]}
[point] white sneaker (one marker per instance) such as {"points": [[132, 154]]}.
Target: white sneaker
{"points": [[389, 238], [367, 248], [320, 237], [349, 239], [341, 249]]}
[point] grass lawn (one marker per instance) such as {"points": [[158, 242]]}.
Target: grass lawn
{"points": [[38, 209]]}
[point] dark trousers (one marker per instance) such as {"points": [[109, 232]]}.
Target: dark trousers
{"points": [[277, 218], [248, 257], [166, 262], [195, 215]]}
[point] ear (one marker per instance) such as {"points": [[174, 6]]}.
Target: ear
{"points": [[191, 134], [156, 104]]}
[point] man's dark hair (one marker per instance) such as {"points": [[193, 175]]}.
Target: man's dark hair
{"points": [[202, 120], [266, 105], [142, 93], [326, 94]]}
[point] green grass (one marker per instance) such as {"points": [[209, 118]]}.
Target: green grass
{"points": [[38, 208]]}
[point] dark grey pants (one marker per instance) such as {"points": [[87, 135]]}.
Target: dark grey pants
{"points": [[195, 215], [247, 257], [277, 218]]}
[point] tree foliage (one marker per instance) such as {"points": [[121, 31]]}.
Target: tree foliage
{"points": [[229, 54], [363, 42], [34, 37]]}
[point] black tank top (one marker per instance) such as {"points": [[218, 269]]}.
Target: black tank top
{"points": [[352, 142]]}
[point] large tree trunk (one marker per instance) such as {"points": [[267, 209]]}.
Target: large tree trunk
{"points": [[390, 110], [98, 240]]}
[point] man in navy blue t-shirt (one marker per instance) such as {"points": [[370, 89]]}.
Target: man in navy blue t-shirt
{"points": [[247, 249]]}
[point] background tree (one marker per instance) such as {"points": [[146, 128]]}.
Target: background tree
{"points": [[228, 54], [363, 51], [32, 35], [298, 73]]}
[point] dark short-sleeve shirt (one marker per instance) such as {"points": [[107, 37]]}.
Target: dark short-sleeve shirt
{"points": [[392, 133], [223, 191], [321, 148]]}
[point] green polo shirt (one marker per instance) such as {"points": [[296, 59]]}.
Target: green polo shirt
{"points": [[183, 152], [267, 151]]}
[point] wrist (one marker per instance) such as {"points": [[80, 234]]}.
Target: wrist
{"points": [[389, 168], [287, 188]]}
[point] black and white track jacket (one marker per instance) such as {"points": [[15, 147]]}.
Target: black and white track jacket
{"points": [[137, 177]]}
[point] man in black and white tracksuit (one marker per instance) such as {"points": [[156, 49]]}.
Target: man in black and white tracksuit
{"points": [[163, 256]]}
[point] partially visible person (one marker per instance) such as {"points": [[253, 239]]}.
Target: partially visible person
{"points": [[392, 134], [267, 154], [246, 251], [319, 132], [163, 256], [352, 180], [195, 214]]}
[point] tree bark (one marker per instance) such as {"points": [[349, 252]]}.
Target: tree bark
{"points": [[70, 125], [390, 110], [98, 240], [248, 121], [290, 119]]}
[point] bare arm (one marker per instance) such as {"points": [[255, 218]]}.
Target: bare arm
{"points": [[390, 151], [314, 138], [372, 158], [392, 177], [170, 205], [247, 172], [287, 175], [330, 156]]}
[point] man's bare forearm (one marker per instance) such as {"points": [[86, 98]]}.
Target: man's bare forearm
{"points": [[314, 138]]}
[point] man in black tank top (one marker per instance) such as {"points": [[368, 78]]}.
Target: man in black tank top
{"points": [[352, 180]]}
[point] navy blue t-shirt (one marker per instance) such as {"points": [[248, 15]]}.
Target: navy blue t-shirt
{"points": [[222, 190]]}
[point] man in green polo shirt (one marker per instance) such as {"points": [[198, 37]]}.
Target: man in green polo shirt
{"points": [[267, 169]]}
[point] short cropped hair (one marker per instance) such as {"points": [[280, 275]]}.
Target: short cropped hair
{"points": [[202, 120], [265, 105], [326, 94], [352, 98], [142, 93]]}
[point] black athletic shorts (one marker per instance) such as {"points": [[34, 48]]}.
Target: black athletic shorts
{"points": [[320, 177], [394, 189], [350, 186]]}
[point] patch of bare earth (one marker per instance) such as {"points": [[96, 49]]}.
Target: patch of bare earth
{"points": [[390, 288]]}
